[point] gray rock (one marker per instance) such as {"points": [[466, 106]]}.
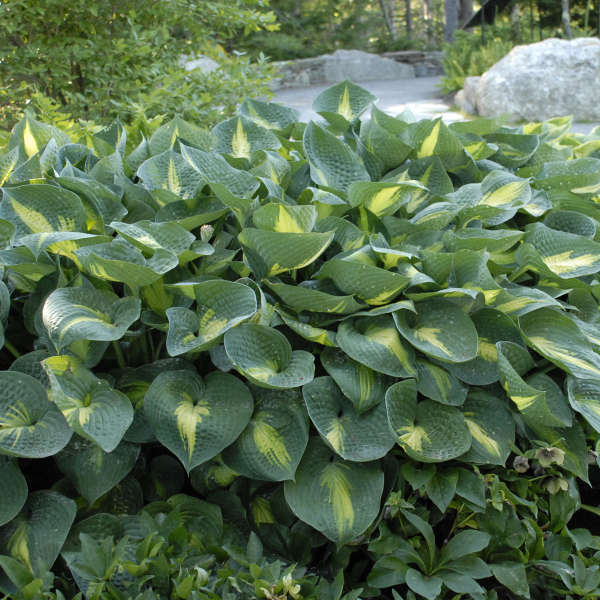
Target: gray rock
{"points": [[205, 64], [362, 66], [463, 103], [539, 81]]}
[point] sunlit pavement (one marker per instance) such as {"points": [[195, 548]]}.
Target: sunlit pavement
{"points": [[422, 96]]}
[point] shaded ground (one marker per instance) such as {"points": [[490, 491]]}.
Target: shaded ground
{"points": [[421, 95]]}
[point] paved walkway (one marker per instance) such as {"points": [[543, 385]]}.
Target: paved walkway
{"points": [[421, 95]]}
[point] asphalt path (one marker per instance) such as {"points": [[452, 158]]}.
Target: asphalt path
{"points": [[422, 96]]}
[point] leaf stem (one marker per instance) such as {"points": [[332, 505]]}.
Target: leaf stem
{"points": [[11, 349], [119, 353], [593, 509]]}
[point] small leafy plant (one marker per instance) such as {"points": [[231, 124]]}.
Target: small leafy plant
{"points": [[286, 360]]}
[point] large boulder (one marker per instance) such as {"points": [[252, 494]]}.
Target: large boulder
{"points": [[548, 79], [205, 64]]}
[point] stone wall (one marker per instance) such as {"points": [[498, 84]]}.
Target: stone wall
{"points": [[357, 66]]}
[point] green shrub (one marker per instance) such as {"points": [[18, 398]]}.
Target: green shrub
{"points": [[101, 60], [365, 349]]}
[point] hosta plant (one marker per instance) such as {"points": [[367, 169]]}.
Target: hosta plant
{"points": [[368, 345]]}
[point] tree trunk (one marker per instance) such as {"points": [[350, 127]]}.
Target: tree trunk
{"points": [[427, 6], [387, 8], [451, 19], [566, 19], [465, 12], [514, 21], [409, 23]]}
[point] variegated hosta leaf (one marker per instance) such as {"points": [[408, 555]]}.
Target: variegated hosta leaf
{"points": [[269, 253], [31, 136], [492, 326], [269, 115], [356, 437], [440, 329], [271, 446], [92, 408], [584, 397], [177, 129], [41, 208], [195, 418], [338, 498], [150, 236], [285, 218], [309, 332], [553, 335], [221, 305], [564, 254], [303, 297], [38, 533], [343, 103], [367, 282], [364, 387], [440, 385], [171, 172], [85, 313], [492, 428], [427, 431], [332, 162], [264, 355], [15, 490], [93, 471], [30, 425], [546, 406], [382, 198], [240, 137]]}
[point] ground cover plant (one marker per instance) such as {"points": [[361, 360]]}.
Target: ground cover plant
{"points": [[355, 358]]}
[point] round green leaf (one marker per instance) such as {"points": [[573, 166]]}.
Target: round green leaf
{"points": [[271, 446], [85, 313], [427, 431], [375, 342], [220, 306], [30, 425], [584, 397], [14, 494], [364, 387], [37, 535], [438, 384], [265, 357], [492, 428], [93, 471], [90, 405], [355, 437], [194, 418], [338, 498], [440, 329]]}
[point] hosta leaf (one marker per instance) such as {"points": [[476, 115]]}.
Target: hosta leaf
{"points": [[570, 221], [367, 282], [584, 397], [285, 217], [271, 446], [309, 332], [150, 236], [31, 136], [364, 387], [491, 426], [93, 471], [166, 135], [269, 253], [269, 115], [303, 297], [342, 103], [15, 490], [195, 418], [240, 137], [375, 342], [382, 198], [439, 384], [170, 171], [440, 329], [383, 143], [332, 162], [358, 437], [221, 305], [30, 425], [81, 313], [92, 408], [338, 498], [553, 335], [427, 431], [37, 535], [40, 208], [544, 407], [265, 357], [492, 326]]}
